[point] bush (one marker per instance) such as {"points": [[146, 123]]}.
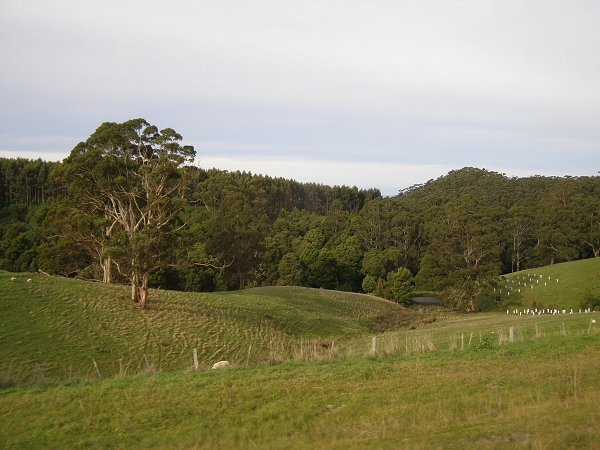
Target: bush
{"points": [[369, 284], [487, 343], [589, 300]]}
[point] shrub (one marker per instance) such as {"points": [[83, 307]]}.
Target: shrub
{"points": [[589, 300]]}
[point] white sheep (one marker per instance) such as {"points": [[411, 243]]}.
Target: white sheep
{"points": [[29, 280], [220, 365], [13, 279]]}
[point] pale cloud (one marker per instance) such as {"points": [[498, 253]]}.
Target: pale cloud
{"points": [[389, 178], [437, 84], [33, 154]]}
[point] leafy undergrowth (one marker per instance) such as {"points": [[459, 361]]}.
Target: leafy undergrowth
{"points": [[530, 394], [64, 329]]}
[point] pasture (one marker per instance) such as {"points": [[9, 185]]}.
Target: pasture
{"points": [[82, 367], [534, 393], [56, 329], [539, 288]]}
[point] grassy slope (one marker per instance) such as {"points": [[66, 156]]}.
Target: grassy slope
{"points": [[454, 383], [574, 279], [493, 396], [56, 328]]}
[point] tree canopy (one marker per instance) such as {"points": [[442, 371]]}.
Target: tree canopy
{"points": [[124, 182], [128, 205]]}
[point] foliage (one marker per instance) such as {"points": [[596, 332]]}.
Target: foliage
{"points": [[589, 301], [369, 284], [465, 245], [26, 182], [228, 230], [127, 177], [402, 285]]}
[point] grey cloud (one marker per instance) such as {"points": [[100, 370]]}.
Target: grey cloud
{"points": [[512, 85]]}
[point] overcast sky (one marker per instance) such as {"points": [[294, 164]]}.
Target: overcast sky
{"points": [[369, 93]]}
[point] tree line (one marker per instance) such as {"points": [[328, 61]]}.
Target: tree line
{"points": [[129, 206]]}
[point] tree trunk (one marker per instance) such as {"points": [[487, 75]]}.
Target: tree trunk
{"points": [[107, 261], [139, 288], [106, 264], [242, 278], [143, 291], [471, 307], [135, 287]]}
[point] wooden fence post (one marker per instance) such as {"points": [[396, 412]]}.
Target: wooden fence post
{"points": [[96, 367], [512, 334], [195, 353]]}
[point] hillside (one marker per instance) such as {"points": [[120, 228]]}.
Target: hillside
{"points": [[469, 224], [56, 328], [457, 381], [560, 286], [541, 391]]}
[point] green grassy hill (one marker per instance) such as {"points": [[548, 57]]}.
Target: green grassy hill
{"points": [[539, 287], [542, 391], [457, 382], [56, 328]]}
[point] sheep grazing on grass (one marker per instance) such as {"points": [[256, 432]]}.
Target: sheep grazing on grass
{"points": [[29, 280], [12, 279], [221, 365]]}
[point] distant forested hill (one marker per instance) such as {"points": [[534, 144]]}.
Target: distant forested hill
{"points": [[453, 235]]}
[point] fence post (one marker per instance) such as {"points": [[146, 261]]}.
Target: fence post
{"points": [[96, 367], [512, 334], [195, 354], [373, 346]]}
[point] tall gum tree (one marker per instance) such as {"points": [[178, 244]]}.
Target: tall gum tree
{"points": [[237, 226], [465, 245], [129, 173]]}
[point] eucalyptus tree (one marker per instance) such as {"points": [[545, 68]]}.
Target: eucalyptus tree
{"points": [[73, 231], [559, 223], [466, 246], [284, 238], [519, 228], [372, 223], [405, 234], [592, 229], [236, 226], [129, 175]]}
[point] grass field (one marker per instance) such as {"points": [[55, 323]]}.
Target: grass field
{"points": [[574, 278], [57, 329], [313, 378], [535, 393]]}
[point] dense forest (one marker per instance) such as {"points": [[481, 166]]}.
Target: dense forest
{"points": [[128, 206]]}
